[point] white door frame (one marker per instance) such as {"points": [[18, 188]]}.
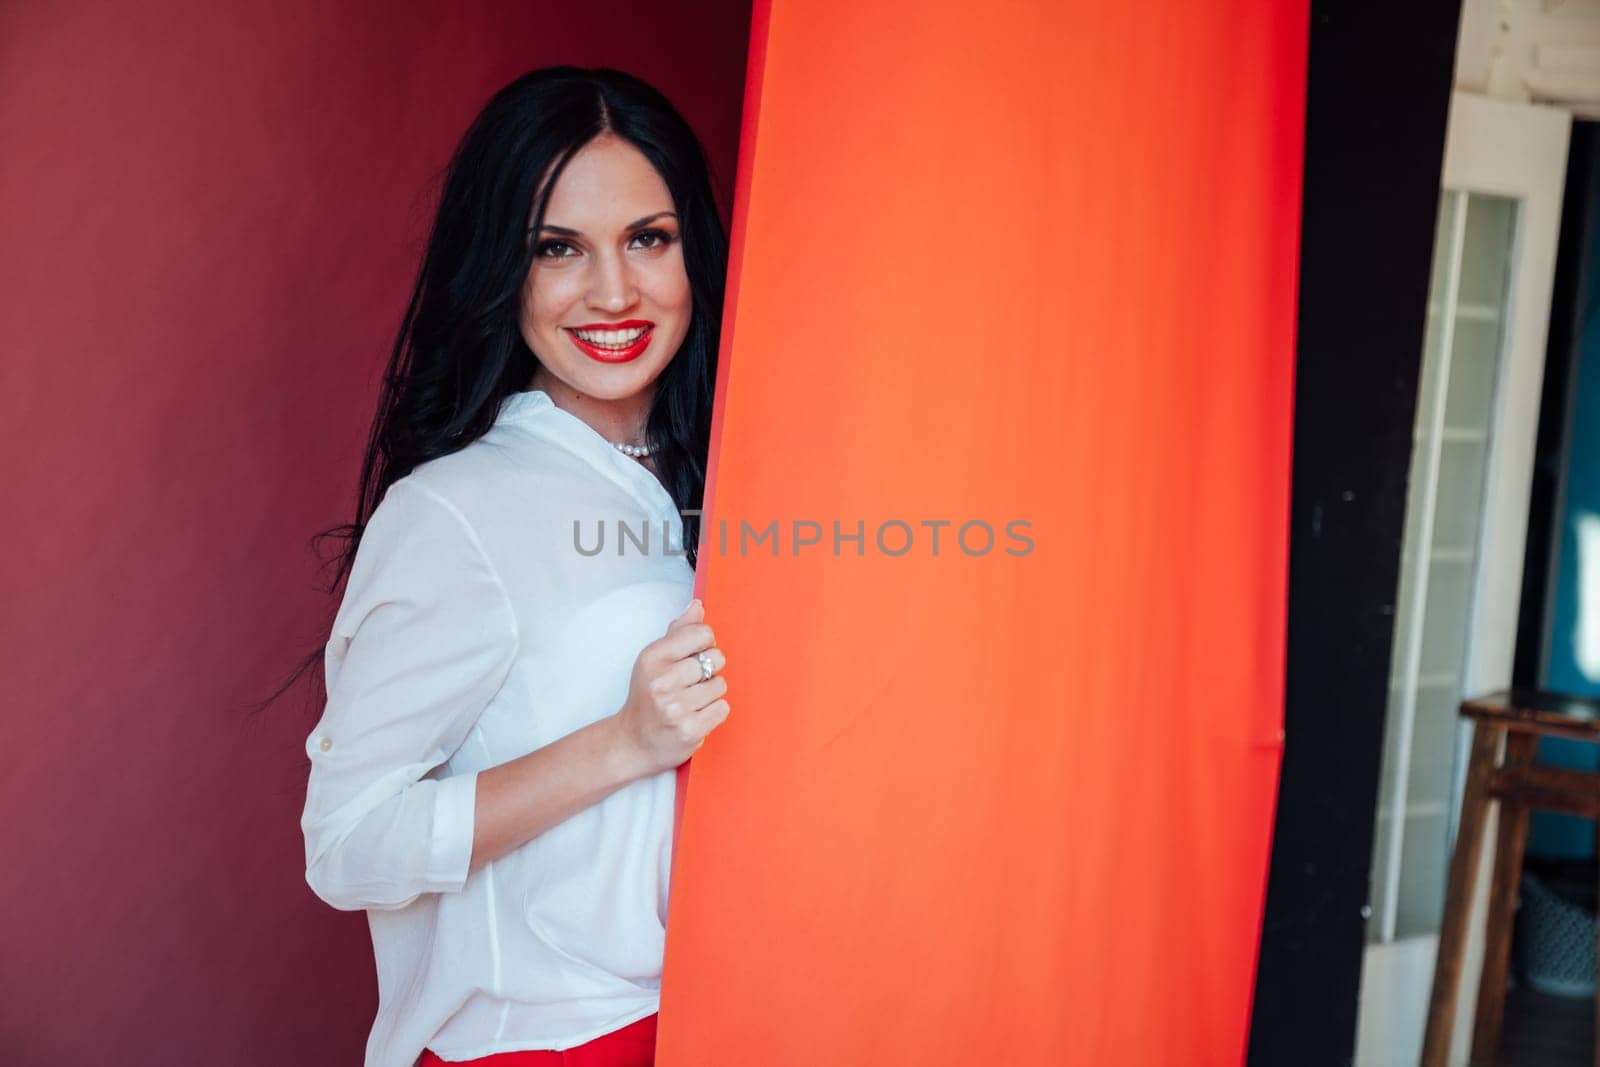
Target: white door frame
{"points": [[1497, 148]]}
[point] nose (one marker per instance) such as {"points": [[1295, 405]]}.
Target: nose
{"points": [[612, 286]]}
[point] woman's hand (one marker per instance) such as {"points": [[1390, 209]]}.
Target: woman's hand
{"points": [[669, 710], [667, 716]]}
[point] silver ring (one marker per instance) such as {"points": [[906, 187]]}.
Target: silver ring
{"points": [[706, 670]]}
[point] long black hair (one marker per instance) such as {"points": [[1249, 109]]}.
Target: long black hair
{"points": [[460, 351]]}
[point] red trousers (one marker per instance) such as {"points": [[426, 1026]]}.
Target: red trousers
{"points": [[633, 1045]]}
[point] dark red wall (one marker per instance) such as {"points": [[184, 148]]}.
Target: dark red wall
{"points": [[210, 214]]}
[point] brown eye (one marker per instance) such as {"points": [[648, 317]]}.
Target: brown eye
{"points": [[545, 247], [659, 238]]}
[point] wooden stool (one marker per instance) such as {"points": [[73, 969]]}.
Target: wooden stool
{"points": [[1520, 717]]}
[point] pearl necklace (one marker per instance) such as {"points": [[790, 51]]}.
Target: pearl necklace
{"points": [[636, 451]]}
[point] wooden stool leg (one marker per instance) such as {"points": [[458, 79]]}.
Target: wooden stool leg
{"points": [[1458, 898], [1502, 908]]}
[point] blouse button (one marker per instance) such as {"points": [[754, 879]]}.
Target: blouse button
{"points": [[325, 744]]}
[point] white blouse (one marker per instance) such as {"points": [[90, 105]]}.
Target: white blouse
{"points": [[473, 630]]}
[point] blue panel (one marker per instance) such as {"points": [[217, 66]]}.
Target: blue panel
{"points": [[1562, 835]]}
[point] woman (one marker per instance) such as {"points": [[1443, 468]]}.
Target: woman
{"points": [[492, 775]]}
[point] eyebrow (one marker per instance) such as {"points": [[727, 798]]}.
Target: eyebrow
{"points": [[634, 225]]}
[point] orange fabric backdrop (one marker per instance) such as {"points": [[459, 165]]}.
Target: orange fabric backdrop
{"points": [[997, 262]]}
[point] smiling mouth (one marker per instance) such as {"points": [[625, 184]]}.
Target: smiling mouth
{"points": [[612, 346]]}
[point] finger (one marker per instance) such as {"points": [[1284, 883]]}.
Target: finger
{"points": [[686, 672], [698, 695], [703, 695], [695, 612], [712, 715], [684, 641]]}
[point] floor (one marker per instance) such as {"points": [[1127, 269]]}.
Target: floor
{"points": [[1545, 1031], [1542, 1030]]}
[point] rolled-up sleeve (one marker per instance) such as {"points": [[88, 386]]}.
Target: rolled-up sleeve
{"points": [[422, 641]]}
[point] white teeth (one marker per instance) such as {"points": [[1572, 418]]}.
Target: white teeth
{"points": [[613, 338]]}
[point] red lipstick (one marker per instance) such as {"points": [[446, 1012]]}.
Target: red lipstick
{"points": [[604, 354]]}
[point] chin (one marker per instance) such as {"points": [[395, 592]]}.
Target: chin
{"points": [[616, 383]]}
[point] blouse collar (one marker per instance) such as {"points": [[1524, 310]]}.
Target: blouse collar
{"points": [[534, 407]]}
